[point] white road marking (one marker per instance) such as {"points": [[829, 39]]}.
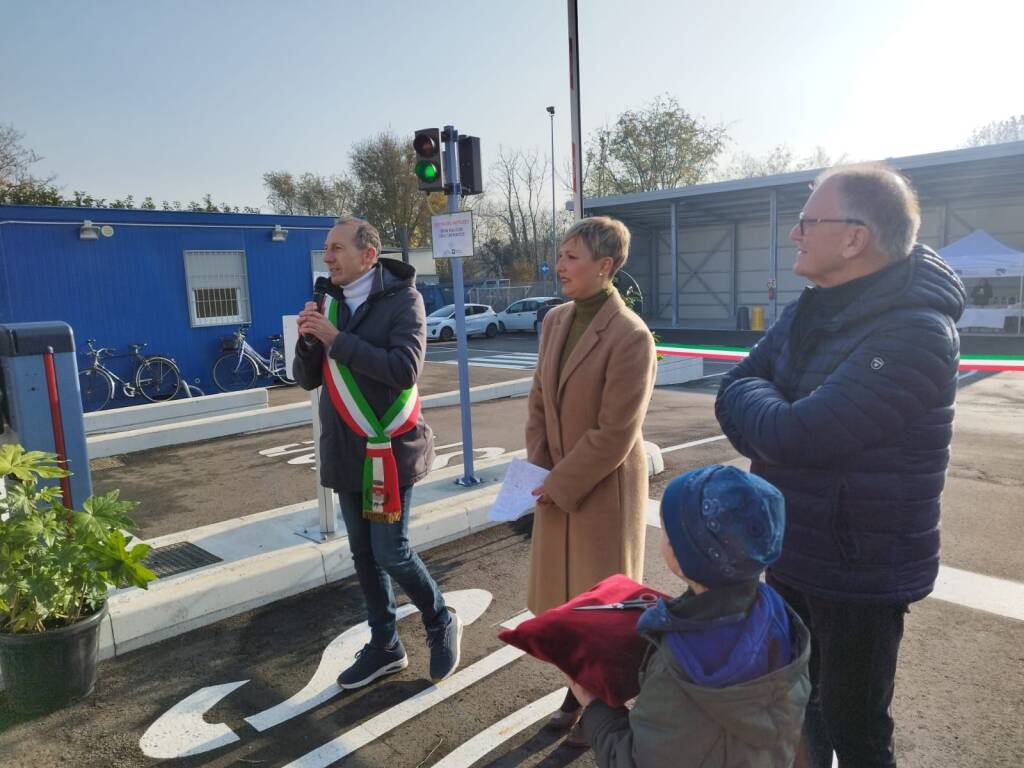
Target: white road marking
{"points": [[966, 375], [512, 360], [503, 730], [691, 444], [355, 738], [1000, 597], [441, 460], [281, 450], [323, 685], [984, 593], [181, 730], [469, 603]]}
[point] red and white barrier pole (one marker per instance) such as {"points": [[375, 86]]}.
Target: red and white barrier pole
{"points": [[58, 425]]}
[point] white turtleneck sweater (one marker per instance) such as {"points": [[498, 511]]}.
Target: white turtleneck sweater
{"points": [[357, 291]]}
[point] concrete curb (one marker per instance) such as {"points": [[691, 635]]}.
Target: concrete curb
{"points": [[288, 565], [256, 419], [153, 414]]}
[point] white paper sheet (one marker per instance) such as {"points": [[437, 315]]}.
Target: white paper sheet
{"points": [[514, 499]]}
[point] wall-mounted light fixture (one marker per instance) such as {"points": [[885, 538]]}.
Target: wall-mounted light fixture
{"points": [[88, 231], [279, 234]]}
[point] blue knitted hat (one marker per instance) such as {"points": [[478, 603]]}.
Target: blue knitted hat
{"points": [[725, 525]]}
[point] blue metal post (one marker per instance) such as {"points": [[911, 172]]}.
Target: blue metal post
{"points": [[451, 165]]}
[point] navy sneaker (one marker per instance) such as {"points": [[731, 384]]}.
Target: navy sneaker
{"points": [[373, 662], [445, 646]]}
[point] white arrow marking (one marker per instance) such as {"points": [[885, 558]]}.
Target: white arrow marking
{"points": [[503, 730], [375, 727], [181, 730]]}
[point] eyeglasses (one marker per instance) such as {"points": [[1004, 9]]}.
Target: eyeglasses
{"points": [[804, 222]]}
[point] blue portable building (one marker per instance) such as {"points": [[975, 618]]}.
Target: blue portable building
{"points": [[177, 280]]}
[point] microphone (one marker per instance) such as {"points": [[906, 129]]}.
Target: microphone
{"points": [[319, 292]]}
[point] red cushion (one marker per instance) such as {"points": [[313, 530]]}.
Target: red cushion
{"points": [[600, 650]]}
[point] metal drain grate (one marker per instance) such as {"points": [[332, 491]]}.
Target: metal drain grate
{"points": [[178, 558]]}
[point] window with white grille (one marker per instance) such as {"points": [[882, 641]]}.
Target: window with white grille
{"points": [[218, 288]]}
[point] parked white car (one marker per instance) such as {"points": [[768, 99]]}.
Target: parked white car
{"points": [[522, 315], [480, 321]]}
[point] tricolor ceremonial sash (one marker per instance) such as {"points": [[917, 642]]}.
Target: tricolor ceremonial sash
{"points": [[381, 500]]}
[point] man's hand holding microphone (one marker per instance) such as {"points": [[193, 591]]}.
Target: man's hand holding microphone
{"points": [[312, 324]]}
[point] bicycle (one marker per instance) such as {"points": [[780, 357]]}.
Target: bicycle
{"points": [[240, 365], [156, 378]]}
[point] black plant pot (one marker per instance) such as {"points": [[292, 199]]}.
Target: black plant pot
{"points": [[43, 671]]}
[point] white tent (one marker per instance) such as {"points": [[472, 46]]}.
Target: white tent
{"points": [[981, 255]]}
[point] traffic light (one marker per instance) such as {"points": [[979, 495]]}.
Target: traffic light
{"points": [[429, 172], [470, 175]]}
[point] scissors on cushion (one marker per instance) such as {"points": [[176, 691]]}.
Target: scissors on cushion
{"points": [[642, 602]]}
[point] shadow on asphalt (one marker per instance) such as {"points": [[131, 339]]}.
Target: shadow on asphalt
{"points": [[541, 741]]}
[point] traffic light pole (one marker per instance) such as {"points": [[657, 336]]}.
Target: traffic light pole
{"points": [[450, 137]]}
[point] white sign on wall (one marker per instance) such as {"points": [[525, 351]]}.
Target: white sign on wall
{"points": [[452, 234]]}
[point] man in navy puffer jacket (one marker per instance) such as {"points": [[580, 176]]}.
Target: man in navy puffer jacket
{"points": [[846, 405]]}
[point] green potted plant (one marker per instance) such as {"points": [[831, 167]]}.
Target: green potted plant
{"points": [[56, 567]]}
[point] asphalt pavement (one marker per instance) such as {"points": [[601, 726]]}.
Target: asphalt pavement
{"points": [[246, 691]]}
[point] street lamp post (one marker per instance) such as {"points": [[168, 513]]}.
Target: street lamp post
{"points": [[554, 243]]}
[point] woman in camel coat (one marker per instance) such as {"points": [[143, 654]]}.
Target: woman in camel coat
{"points": [[594, 378]]}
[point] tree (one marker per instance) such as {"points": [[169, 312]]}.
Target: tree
{"points": [[17, 185], [998, 132], [309, 194], [779, 160], [661, 146], [387, 191], [517, 213]]}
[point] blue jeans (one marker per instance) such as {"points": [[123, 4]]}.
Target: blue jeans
{"points": [[381, 552], [854, 649]]}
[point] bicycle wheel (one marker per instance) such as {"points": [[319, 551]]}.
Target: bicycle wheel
{"points": [[96, 389], [232, 373], [279, 368], [158, 378]]}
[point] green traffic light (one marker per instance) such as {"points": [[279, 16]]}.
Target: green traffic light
{"points": [[427, 171]]}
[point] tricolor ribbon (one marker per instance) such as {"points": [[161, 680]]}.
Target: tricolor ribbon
{"points": [[381, 501], [967, 362]]}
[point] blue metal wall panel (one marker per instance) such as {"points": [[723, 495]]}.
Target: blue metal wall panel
{"points": [[131, 287]]}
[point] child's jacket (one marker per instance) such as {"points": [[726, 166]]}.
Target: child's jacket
{"points": [[725, 684]]}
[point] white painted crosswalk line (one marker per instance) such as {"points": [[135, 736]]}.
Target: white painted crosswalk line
{"points": [[512, 360], [503, 730]]}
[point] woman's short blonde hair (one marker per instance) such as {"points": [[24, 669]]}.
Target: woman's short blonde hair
{"points": [[604, 236]]}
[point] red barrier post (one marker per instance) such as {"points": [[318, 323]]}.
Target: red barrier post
{"points": [[58, 425]]}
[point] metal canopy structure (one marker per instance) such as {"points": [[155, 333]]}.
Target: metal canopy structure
{"points": [[664, 219], [995, 170]]}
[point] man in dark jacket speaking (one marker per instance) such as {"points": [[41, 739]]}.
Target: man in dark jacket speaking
{"points": [[374, 443], [846, 405]]}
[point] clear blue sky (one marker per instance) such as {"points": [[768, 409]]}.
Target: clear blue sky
{"points": [[182, 97]]}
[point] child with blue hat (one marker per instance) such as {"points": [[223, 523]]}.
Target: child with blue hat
{"points": [[726, 678]]}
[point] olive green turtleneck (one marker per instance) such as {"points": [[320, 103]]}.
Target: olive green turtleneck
{"points": [[586, 311]]}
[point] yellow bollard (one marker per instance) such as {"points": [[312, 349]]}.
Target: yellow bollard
{"points": [[757, 318]]}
